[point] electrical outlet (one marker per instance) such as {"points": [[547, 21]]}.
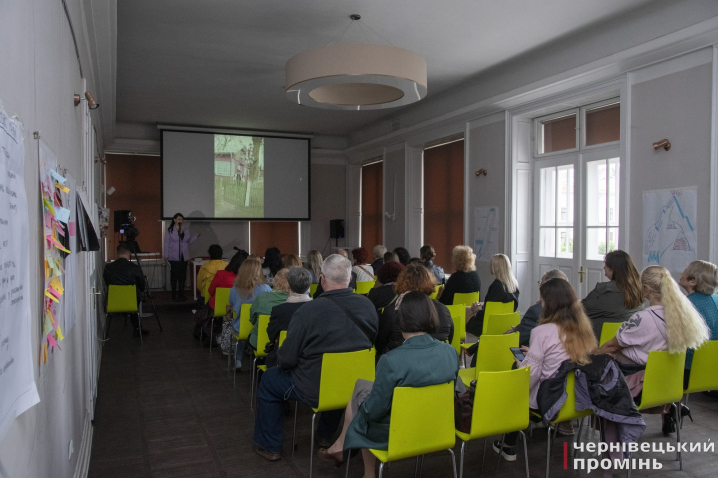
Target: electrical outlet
{"points": [[72, 449]]}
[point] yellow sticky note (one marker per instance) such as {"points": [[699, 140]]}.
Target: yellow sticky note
{"points": [[62, 188], [57, 285], [59, 334], [44, 352], [49, 206], [48, 294], [47, 270]]}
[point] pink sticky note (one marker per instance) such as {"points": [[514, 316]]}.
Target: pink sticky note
{"points": [[51, 339], [48, 220], [53, 291], [60, 231], [71, 228]]}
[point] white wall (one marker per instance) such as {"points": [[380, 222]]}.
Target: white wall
{"points": [[394, 230], [39, 76], [328, 202]]}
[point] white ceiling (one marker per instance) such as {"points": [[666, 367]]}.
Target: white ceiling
{"points": [[221, 62]]}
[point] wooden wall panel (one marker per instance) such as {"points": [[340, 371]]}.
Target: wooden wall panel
{"points": [[284, 235]]}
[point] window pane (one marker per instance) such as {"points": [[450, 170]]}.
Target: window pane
{"points": [[564, 211], [595, 243], [613, 191], [596, 193], [564, 238], [547, 244], [558, 134], [548, 197], [603, 124], [612, 239]]}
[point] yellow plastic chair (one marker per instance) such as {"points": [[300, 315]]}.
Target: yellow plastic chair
{"points": [[205, 293], [494, 355], [703, 375], [663, 384], [340, 372], [313, 289], [466, 298], [262, 341], [245, 328], [422, 421], [363, 287], [122, 299], [608, 331], [502, 400], [458, 316], [221, 300], [497, 324], [435, 293], [282, 337], [567, 412], [496, 308]]}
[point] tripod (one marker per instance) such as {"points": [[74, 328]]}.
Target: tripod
{"points": [[146, 294]]}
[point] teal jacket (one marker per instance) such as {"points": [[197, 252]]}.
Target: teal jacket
{"points": [[263, 305], [419, 362]]}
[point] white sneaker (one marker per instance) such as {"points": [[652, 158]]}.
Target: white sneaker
{"points": [[508, 455]]}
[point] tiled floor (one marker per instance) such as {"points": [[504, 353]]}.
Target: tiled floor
{"points": [[168, 409]]}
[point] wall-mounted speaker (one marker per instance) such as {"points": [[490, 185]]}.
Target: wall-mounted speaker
{"points": [[336, 228]]}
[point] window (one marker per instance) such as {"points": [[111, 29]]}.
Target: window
{"points": [[603, 124], [263, 235], [602, 183], [556, 234], [557, 133], [444, 200], [372, 204]]}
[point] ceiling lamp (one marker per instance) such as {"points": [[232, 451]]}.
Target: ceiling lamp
{"points": [[344, 76]]}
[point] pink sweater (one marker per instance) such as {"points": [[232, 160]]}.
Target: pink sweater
{"points": [[545, 356]]}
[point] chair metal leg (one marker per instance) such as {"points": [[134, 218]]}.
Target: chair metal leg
{"points": [[526, 453], [107, 326], [311, 448], [416, 467], [346, 475], [381, 470], [679, 456], [421, 465], [253, 386], [578, 437], [501, 450], [461, 461], [139, 323], [211, 335], [236, 344], [294, 436], [483, 456], [453, 461], [548, 451]]}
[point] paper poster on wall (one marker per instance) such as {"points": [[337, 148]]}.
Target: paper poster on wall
{"points": [[486, 232], [17, 381], [669, 228]]}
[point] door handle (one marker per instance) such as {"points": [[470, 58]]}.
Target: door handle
{"points": [[96, 293], [580, 274]]}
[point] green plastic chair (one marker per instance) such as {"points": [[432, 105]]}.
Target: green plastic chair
{"points": [[262, 341], [496, 308], [703, 375], [121, 299], [221, 300], [466, 298], [245, 328], [608, 331], [282, 337], [422, 421], [313, 289], [363, 287], [458, 316], [497, 324], [494, 355], [435, 293], [340, 372], [503, 407]]}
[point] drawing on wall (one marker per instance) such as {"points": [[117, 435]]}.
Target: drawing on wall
{"points": [[669, 228], [486, 232]]}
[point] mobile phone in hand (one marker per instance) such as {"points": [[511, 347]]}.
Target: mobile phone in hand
{"points": [[517, 353]]}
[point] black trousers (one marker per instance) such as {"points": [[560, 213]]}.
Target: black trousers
{"points": [[178, 273]]}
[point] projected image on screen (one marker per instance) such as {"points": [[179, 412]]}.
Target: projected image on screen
{"points": [[238, 176]]}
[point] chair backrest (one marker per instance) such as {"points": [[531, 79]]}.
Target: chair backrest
{"points": [[205, 293], [363, 287], [494, 354], [497, 324], [703, 368], [245, 326], [504, 402], [313, 289], [663, 380], [435, 293], [495, 308], [466, 298], [568, 410], [422, 421], [121, 299], [282, 336], [458, 316], [608, 331], [262, 337], [340, 371], [221, 300]]}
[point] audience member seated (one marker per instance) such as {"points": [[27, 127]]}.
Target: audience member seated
{"points": [[700, 280], [226, 277], [428, 254], [531, 318], [383, 292], [249, 284], [670, 322], [378, 253], [292, 260], [352, 282], [272, 264], [465, 279], [402, 255], [299, 280], [505, 288], [414, 278], [564, 333], [421, 361], [124, 272], [391, 257], [314, 265], [619, 298], [341, 321], [363, 270], [209, 269], [266, 301]]}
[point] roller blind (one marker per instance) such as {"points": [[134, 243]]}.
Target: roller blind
{"points": [[284, 235]]}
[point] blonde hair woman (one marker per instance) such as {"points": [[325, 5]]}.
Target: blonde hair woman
{"points": [[700, 280], [292, 260], [670, 322], [314, 264], [505, 288], [464, 279], [247, 286]]}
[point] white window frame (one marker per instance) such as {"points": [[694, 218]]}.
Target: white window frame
{"points": [[582, 122], [538, 135]]}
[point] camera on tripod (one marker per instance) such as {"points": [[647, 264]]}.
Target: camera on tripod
{"points": [[124, 224]]}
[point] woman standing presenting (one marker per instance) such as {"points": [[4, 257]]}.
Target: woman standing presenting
{"points": [[177, 241]]}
